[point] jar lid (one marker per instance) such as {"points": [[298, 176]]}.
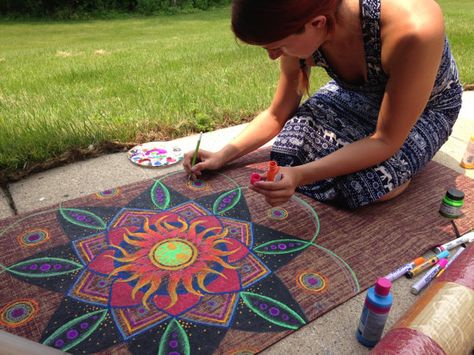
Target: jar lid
{"points": [[455, 194]]}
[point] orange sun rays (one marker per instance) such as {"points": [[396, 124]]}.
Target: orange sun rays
{"points": [[148, 274]]}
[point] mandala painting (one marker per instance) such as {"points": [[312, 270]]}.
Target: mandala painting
{"points": [[173, 266], [168, 267]]}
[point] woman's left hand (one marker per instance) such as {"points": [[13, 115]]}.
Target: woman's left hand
{"points": [[278, 192]]}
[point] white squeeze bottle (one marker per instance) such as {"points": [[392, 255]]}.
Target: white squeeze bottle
{"points": [[468, 157]]}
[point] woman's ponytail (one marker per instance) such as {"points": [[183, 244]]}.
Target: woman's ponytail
{"points": [[303, 79]]}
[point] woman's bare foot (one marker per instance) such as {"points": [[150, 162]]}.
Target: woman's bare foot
{"points": [[395, 192]]}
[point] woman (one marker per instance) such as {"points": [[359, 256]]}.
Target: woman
{"points": [[393, 100]]}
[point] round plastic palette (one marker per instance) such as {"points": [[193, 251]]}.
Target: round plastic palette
{"points": [[155, 154]]}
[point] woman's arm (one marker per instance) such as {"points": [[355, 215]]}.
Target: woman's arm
{"points": [[269, 122], [263, 127]]}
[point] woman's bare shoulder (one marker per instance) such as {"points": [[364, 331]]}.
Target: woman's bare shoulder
{"points": [[410, 29], [401, 18]]}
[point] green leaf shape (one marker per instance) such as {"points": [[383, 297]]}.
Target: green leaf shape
{"points": [[273, 311], [174, 332], [44, 267], [282, 246], [83, 218], [160, 195], [93, 318], [227, 201]]}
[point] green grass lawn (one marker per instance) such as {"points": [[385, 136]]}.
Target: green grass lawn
{"points": [[70, 85]]}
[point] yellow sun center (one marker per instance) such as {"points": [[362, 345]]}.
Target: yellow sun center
{"points": [[173, 254]]}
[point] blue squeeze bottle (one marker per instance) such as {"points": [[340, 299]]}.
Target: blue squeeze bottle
{"points": [[375, 313]]}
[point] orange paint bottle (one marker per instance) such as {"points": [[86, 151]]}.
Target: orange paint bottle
{"points": [[273, 169]]}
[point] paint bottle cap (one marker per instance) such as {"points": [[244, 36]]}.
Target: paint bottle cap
{"points": [[443, 254], [455, 194], [272, 164], [254, 178], [382, 286], [443, 263], [418, 261]]}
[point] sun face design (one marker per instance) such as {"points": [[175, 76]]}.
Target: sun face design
{"points": [[170, 251]]}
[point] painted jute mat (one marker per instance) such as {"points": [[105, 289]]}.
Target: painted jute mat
{"points": [[172, 266]]}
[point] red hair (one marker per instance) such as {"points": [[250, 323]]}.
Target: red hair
{"points": [[261, 22]]}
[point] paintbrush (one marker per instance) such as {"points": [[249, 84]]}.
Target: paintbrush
{"points": [[193, 161]]}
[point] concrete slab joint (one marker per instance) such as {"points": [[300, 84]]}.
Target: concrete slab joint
{"points": [[7, 205]]}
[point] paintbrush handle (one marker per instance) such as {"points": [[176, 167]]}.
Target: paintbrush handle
{"points": [[196, 150]]}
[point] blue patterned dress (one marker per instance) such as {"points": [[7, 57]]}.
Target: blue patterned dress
{"points": [[341, 113]]}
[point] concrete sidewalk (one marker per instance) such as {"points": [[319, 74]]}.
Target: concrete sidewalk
{"points": [[332, 333]]}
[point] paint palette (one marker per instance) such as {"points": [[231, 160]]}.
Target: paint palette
{"points": [[155, 154]]}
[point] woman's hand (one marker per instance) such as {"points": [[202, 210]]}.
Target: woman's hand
{"points": [[205, 161], [278, 192]]}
